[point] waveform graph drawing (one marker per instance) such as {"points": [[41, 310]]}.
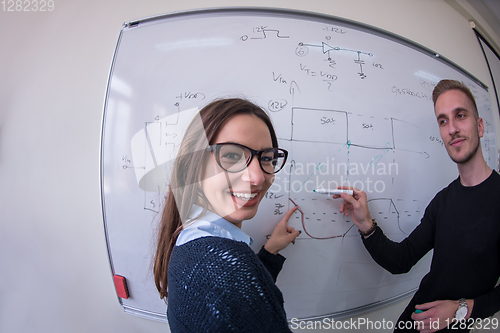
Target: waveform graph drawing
{"points": [[318, 165], [370, 132], [320, 224], [386, 214], [408, 136], [319, 125]]}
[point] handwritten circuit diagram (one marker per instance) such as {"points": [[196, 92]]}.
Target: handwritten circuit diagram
{"points": [[352, 108], [357, 143], [303, 49]]}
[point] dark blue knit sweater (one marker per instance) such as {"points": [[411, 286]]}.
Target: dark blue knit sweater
{"points": [[220, 285]]}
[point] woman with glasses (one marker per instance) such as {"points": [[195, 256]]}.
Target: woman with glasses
{"points": [[204, 264]]}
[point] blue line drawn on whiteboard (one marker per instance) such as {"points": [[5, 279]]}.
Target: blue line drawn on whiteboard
{"points": [[356, 130], [335, 134], [302, 50]]}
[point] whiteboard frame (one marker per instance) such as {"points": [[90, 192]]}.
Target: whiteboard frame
{"points": [[101, 178], [272, 12], [313, 16], [496, 89]]}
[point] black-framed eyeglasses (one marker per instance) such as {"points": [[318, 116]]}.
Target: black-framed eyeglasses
{"points": [[233, 157]]}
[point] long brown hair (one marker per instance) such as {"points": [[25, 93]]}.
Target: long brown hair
{"points": [[185, 189]]}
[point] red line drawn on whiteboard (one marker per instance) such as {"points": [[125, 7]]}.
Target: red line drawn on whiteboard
{"points": [[305, 229], [383, 209]]}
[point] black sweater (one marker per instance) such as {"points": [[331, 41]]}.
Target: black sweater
{"points": [[220, 285], [462, 225]]}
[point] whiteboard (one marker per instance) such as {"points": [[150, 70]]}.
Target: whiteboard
{"points": [[351, 103]]}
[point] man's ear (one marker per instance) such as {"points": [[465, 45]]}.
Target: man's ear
{"points": [[480, 127]]}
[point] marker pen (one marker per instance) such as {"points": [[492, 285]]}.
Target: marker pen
{"points": [[333, 192]]}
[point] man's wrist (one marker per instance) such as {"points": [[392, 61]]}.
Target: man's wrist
{"points": [[367, 232], [470, 305], [461, 305]]}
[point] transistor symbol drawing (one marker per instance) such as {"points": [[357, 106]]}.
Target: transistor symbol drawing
{"points": [[303, 49]]}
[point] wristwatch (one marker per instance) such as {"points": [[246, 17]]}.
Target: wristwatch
{"points": [[462, 310]]}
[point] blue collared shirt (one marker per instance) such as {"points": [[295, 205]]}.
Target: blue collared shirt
{"points": [[211, 225]]}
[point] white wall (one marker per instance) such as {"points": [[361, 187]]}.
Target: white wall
{"points": [[55, 275]]}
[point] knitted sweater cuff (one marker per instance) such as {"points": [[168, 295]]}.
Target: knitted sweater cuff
{"points": [[273, 262]]}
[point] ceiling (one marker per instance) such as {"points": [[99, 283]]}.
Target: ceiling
{"points": [[495, 8], [490, 11]]}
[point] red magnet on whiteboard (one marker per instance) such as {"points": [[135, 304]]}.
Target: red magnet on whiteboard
{"points": [[120, 286]]}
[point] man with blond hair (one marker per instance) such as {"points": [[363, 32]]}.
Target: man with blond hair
{"points": [[461, 224]]}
